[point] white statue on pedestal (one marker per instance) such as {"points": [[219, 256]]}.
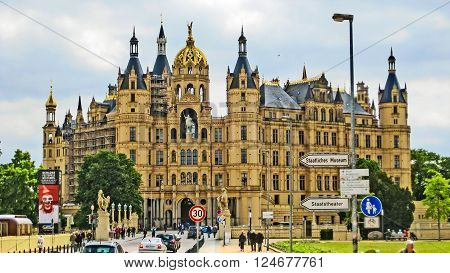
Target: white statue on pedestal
{"points": [[190, 126]]}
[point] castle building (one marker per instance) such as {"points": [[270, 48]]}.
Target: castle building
{"points": [[162, 121]]}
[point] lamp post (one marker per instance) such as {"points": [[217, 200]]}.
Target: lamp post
{"points": [[291, 203], [340, 18], [113, 206], [250, 218], [92, 220], [118, 216], [125, 214], [268, 198]]}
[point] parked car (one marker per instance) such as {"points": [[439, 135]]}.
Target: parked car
{"points": [[152, 245], [171, 241], [103, 247], [192, 232]]}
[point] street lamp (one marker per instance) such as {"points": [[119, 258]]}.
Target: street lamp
{"points": [[291, 203], [340, 18], [250, 218], [92, 219], [113, 206], [125, 211], [118, 217]]}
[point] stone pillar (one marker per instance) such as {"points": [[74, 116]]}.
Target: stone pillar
{"points": [[162, 216], [102, 230], [238, 212], [145, 213], [210, 213]]}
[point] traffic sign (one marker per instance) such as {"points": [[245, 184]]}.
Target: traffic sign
{"points": [[219, 219], [219, 212], [267, 214], [326, 160], [326, 204], [371, 222], [197, 213], [371, 206], [349, 174]]}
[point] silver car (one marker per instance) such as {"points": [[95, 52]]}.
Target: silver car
{"points": [[152, 245], [103, 247]]}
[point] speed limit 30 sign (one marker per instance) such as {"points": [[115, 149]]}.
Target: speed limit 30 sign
{"points": [[197, 213]]}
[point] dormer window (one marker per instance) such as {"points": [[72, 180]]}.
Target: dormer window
{"points": [[133, 97], [243, 84], [242, 96], [395, 98], [133, 85], [189, 70]]}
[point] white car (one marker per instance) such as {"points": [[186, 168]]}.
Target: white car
{"points": [[152, 245]]}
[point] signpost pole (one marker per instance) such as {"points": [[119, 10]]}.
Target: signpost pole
{"points": [[197, 224], [268, 198]]}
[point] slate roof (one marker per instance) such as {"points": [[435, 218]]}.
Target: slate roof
{"points": [[161, 63], [136, 64], [274, 96], [242, 61], [391, 82]]}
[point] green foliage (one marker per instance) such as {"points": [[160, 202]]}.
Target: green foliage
{"points": [[112, 173], [326, 234], [397, 202], [437, 196], [18, 186], [299, 247]]}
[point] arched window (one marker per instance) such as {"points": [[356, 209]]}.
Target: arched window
{"points": [[174, 156], [50, 138], [173, 134], [190, 70], [190, 89], [204, 179], [322, 115], [189, 178], [202, 93], [195, 178], [204, 156], [204, 134], [183, 157], [178, 91], [195, 157], [183, 178], [331, 115], [189, 157], [174, 179], [315, 114]]}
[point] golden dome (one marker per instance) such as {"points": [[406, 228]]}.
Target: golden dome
{"points": [[190, 55], [51, 102]]}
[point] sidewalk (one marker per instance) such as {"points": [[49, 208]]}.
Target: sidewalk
{"points": [[216, 246]]}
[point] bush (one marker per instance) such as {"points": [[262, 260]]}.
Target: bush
{"points": [[326, 234], [299, 247]]}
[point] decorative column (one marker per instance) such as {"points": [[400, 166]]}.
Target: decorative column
{"points": [[119, 221]]}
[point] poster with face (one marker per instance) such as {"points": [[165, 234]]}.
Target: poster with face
{"points": [[48, 204]]}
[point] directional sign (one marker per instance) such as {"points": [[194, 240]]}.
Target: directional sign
{"points": [[197, 213], [349, 187], [267, 214], [371, 206], [326, 160], [326, 204], [350, 173], [371, 222]]}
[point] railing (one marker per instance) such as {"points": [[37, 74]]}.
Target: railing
{"points": [[194, 249], [57, 249]]}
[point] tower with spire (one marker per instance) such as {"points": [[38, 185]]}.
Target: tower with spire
{"points": [[50, 128]]}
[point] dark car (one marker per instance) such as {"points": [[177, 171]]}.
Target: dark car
{"points": [[171, 241], [192, 232]]}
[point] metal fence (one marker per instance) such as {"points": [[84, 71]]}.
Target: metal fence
{"points": [[194, 249]]}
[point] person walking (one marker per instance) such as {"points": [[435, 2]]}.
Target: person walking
{"points": [[248, 237], [145, 232], [214, 230], [165, 228], [259, 240], [40, 243], [123, 233], [153, 232], [133, 232], [253, 240], [242, 240]]}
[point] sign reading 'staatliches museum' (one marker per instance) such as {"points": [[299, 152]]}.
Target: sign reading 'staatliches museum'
{"points": [[326, 160]]}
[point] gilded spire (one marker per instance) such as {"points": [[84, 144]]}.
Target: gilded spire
{"points": [[190, 39], [51, 102]]}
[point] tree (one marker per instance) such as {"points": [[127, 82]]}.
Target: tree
{"points": [[112, 173], [437, 198], [398, 206], [18, 186]]}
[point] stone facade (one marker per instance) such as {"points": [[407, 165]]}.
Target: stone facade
{"points": [[162, 121]]}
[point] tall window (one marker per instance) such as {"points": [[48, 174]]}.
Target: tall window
{"points": [[396, 141], [183, 157], [276, 182], [301, 137], [173, 134], [189, 157], [149, 179], [133, 97], [379, 142], [275, 135], [380, 160], [325, 138], [133, 156], [275, 158], [159, 180], [319, 183], [174, 156], [367, 141], [288, 136], [302, 182], [183, 178], [195, 157], [396, 161], [243, 132], [327, 182], [263, 181], [244, 179], [322, 115], [317, 138], [356, 140], [204, 179], [217, 134], [174, 179], [288, 158], [159, 157], [331, 116], [218, 157], [132, 133], [159, 135], [335, 182], [288, 181], [149, 157], [204, 156], [333, 139], [204, 134], [218, 179], [243, 155]]}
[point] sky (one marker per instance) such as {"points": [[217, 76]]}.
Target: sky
{"points": [[282, 37]]}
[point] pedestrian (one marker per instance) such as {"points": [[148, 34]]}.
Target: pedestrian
{"points": [[253, 240], [259, 240], [208, 230], [242, 240], [72, 239], [78, 242], [153, 232], [128, 232], [182, 229], [214, 230], [145, 232], [133, 232], [248, 237], [123, 233], [165, 228], [40, 243], [409, 247]]}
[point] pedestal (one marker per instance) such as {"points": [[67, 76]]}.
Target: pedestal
{"points": [[225, 227], [102, 231], [134, 220]]}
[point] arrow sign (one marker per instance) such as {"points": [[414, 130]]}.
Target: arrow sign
{"points": [[352, 174], [326, 204], [326, 160]]}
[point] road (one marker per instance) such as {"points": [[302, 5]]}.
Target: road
{"points": [[131, 245]]}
